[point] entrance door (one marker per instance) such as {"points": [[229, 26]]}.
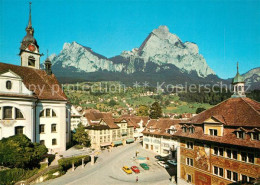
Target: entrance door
{"points": [[151, 147]]}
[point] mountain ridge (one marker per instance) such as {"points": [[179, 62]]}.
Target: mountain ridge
{"points": [[162, 56]]}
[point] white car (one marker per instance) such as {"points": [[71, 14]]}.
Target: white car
{"points": [[163, 164]]}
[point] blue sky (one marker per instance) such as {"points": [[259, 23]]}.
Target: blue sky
{"points": [[225, 31]]}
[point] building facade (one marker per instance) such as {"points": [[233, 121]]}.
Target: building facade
{"points": [[158, 137], [110, 132], [139, 123], [221, 145], [32, 101]]}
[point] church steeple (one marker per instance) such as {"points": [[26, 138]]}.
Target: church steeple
{"points": [[239, 85], [29, 50], [29, 28]]}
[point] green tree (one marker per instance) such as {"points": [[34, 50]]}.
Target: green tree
{"points": [[18, 151], [112, 103], [167, 102], [155, 111], [199, 110], [143, 110], [81, 136]]}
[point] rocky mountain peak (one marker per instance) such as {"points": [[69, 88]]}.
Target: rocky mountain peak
{"points": [[161, 48]]}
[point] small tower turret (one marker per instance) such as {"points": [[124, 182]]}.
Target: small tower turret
{"points": [[48, 64], [238, 85]]}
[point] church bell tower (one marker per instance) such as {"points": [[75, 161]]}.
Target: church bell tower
{"points": [[29, 50]]}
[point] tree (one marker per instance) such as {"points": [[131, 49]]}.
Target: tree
{"points": [[81, 136], [199, 110], [167, 102], [18, 151], [112, 103], [155, 111], [143, 110]]}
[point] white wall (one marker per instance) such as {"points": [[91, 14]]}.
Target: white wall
{"points": [[26, 107], [60, 120], [17, 85], [25, 56]]}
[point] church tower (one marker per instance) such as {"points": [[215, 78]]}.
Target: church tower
{"points": [[29, 50], [238, 85]]}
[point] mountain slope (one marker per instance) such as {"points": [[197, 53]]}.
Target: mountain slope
{"points": [[161, 57], [252, 78]]}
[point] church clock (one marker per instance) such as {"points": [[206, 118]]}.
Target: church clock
{"points": [[31, 47]]}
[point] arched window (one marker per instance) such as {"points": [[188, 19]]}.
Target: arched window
{"points": [[53, 113], [18, 114], [8, 84], [42, 114], [31, 61], [18, 130], [48, 113]]}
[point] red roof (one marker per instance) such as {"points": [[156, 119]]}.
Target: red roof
{"points": [[160, 127], [45, 87], [229, 137], [96, 115], [236, 114], [232, 112]]}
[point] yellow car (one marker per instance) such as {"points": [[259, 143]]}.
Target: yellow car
{"points": [[127, 170]]}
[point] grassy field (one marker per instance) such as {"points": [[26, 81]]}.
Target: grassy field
{"points": [[109, 96]]}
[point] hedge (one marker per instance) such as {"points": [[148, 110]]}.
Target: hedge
{"points": [[66, 163], [11, 176]]}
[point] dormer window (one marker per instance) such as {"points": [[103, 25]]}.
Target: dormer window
{"points": [[191, 130], [8, 85], [31, 61], [213, 132], [184, 129], [255, 136], [240, 134]]}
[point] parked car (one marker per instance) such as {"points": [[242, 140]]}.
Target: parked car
{"points": [[163, 164], [127, 170], [144, 166], [160, 158], [173, 162], [135, 169]]}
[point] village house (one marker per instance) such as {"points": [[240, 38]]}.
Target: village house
{"points": [[139, 123], [109, 132], [159, 137]]}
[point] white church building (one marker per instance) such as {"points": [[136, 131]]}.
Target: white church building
{"points": [[32, 101]]}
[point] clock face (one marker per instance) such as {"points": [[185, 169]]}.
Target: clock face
{"points": [[31, 47]]}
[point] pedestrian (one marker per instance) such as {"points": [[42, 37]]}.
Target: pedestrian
{"points": [[136, 180]]}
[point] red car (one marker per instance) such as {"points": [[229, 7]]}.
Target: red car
{"points": [[135, 169]]}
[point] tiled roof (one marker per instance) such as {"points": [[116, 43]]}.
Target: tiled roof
{"points": [[229, 137], [160, 126], [110, 123], [45, 87], [232, 112], [137, 119], [96, 115]]}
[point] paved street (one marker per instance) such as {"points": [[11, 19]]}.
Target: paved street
{"points": [[108, 169]]}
